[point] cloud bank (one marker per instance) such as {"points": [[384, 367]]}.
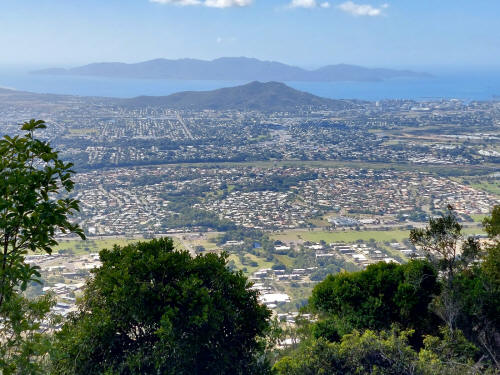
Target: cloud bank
{"points": [[227, 3], [349, 6], [207, 3], [362, 9]]}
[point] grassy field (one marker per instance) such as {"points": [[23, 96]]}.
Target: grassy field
{"points": [[353, 235], [205, 242], [348, 236], [473, 230], [478, 218], [261, 263], [285, 259], [493, 188], [82, 131]]}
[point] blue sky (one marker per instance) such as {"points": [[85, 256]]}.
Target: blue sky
{"points": [[309, 33]]}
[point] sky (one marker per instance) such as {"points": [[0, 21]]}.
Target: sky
{"points": [[307, 33]]}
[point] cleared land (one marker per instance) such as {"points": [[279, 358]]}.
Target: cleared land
{"points": [[348, 236], [253, 263], [490, 187]]}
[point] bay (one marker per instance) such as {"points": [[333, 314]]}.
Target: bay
{"points": [[458, 85]]}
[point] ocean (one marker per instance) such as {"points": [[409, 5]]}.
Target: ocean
{"points": [[458, 85]]}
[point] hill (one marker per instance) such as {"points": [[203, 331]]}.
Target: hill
{"points": [[232, 69], [254, 96]]}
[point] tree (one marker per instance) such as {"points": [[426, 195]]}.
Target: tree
{"points": [[470, 297], [440, 242], [492, 224], [384, 353], [31, 212], [151, 309], [479, 288], [375, 298], [25, 343]]}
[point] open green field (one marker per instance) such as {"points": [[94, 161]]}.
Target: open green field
{"points": [[82, 131], [473, 230], [478, 218], [261, 263], [285, 259], [353, 236], [193, 243], [348, 236], [490, 187]]}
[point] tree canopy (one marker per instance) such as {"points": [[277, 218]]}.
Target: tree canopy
{"points": [[383, 294], [151, 309], [384, 353], [437, 316]]}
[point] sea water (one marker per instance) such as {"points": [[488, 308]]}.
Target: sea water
{"points": [[457, 85]]}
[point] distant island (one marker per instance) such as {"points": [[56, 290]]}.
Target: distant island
{"points": [[254, 96], [232, 69]]}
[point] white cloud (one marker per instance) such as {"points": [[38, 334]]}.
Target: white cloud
{"points": [[308, 4], [303, 4], [225, 40], [362, 9], [207, 3], [227, 3], [177, 2]]}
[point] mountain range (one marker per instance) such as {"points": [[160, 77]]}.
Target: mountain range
{"points": [[231, 69]]}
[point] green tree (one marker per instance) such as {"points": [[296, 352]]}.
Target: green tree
{"points": [[24, 343], [375, 298], [451, 353], [470, 297], [32, 211], [492, 224], [151, 309], [440, 241], [384, 353], [479, 288]]}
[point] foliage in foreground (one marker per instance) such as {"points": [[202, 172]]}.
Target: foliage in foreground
{"points": [[31, 177], [470, 296], [33, 181], [460, 285], [25, 344], [153, 310], [386, 352], [376, 298]]}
